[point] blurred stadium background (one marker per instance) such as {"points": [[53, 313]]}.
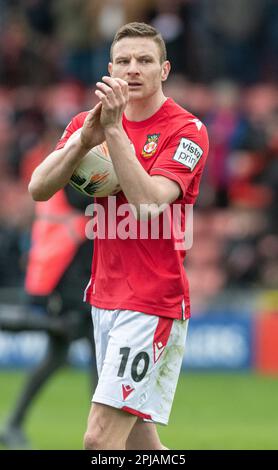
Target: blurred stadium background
{"points": [[224, 56]]}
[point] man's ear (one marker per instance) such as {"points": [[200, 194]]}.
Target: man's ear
{"points": [[166, 67], [110, 68]]}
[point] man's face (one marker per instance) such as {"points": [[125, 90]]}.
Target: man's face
{"points": [[137, 60]]}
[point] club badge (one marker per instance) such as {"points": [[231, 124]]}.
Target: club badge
{"points": [[150, 146]]}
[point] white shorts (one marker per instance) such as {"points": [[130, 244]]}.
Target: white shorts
{"points": [[139, 358]]}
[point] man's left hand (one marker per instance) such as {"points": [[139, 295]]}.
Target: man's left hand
{"points": [[113, 94]]}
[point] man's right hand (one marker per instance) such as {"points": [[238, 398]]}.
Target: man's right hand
{"points": [[56, 170], [92, 133]]}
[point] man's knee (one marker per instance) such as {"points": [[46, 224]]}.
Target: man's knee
{"points": [[108, 428], [105, 429], [93, 441]]}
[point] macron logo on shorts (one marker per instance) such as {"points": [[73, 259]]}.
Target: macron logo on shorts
{"points": [[127, 390]]}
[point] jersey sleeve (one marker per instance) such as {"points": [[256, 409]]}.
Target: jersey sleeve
{"points": [[73, 126], [184, 158]]}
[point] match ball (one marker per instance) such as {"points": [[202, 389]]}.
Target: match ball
{"points": [[95, 175]]}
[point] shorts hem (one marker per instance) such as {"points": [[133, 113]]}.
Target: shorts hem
{"points": [[120, 405]]}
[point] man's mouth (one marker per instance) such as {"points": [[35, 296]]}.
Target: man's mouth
{"points": [[134, 84]]}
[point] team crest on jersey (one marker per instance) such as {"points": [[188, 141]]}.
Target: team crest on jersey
{"points": [[150, 146]]}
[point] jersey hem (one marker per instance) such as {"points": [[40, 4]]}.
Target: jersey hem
{"points": [[143, 308]]}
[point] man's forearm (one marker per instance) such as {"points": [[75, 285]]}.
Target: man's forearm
{"points": [[135, 182], [149, 194], [55, 171]]}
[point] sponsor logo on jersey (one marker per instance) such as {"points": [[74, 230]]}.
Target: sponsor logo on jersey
{"points": [[158, 350], [127, 390], [188, 153], [150, 146]]}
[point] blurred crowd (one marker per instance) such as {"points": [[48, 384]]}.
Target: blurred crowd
{"points": [[43, 41], [224, 56]]}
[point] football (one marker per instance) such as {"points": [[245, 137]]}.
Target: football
{"points": [[95, 175]]}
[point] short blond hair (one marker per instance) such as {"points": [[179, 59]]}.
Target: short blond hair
{"points": [[137, 30]]}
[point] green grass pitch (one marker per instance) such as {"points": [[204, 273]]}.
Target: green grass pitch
{"points": [[211, 411]]}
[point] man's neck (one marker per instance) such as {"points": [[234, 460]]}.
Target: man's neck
{"points": [[139, 110]]}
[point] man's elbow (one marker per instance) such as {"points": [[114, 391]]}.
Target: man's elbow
{"points": [[148, 211], [36, 191]]}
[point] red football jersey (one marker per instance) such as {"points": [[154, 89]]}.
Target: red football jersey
{"points": [[143, 273]]}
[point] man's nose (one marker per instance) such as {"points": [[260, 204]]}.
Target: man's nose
{"points": [[133, 67]]}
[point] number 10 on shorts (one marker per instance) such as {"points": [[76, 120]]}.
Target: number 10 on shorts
{"points": [[141, 358]]}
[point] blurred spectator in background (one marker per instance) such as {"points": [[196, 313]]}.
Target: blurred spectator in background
{"points": [[172, 19], [77, 34], [57, 271], [28, 54], [229, 38]]}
